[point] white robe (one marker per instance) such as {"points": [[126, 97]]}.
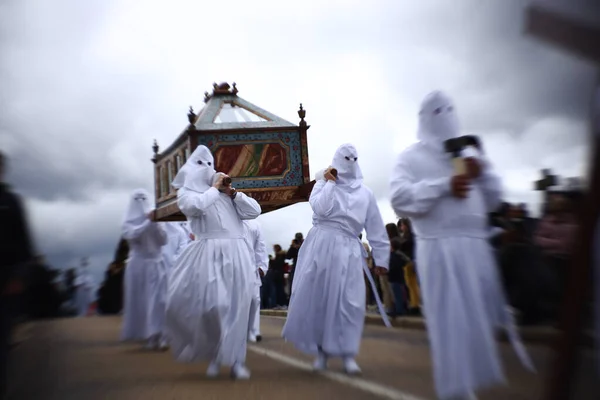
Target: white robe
{"points": [[186, 228], [143, 308], [84, 295], [327, 306], [261, 262], [463, 299], [211, 285], [177, 241]]}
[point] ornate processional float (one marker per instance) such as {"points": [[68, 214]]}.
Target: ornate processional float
{"points": [[265, 155]]}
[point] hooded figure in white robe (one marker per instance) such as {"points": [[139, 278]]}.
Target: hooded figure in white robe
{"points": [[145, 274], [211, 285], [463, 299], [177, 241], [84, 291], [326, 314], [258, 268]]}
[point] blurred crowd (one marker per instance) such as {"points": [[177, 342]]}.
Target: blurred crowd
{"points": [[534, 254]]}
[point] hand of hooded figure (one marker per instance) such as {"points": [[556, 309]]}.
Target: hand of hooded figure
{"points": [[460, 186], [221, 186], [229, 191], [329, 174], [473, 167], [219, 181]]}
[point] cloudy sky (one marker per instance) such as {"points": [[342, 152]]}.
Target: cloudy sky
{"points": [[86, 87]]}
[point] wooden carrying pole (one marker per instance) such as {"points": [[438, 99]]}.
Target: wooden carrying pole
{"points": [[559, 384], [580, 40], [564, 32]]}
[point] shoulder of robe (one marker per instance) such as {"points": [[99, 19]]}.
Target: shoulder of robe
{"points": [[181, 192], [367, 190], [414, 153], [414, 150]]}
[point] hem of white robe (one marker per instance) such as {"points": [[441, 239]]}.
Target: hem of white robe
{"points": [[313, 350], [316, 348], [182, 359]]}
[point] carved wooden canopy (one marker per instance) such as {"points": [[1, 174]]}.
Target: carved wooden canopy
{"points": [[266, 155]]}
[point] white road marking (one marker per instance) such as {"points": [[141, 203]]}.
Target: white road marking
{"points": [[358, 383]]}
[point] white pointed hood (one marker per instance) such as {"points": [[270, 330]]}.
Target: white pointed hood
{"points": [[345, 161], [438, 121], [138, 209], [198, 172]]}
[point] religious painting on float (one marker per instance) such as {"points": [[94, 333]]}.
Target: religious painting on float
{"points": [[258, 160]]}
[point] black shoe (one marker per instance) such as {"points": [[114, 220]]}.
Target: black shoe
{"points": [[258, 338]]}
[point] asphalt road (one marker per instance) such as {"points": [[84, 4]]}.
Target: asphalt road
{"points": [[83, 359]]}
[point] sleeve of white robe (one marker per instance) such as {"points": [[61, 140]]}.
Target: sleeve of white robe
{"points": [[410, 197], [322, 198], [194, 204], [491, 186], [246, 207], [261, 257], [133, 232], [377, 235]]}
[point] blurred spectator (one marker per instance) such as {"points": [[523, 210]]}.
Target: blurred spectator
{"points": [[396, 276], [386, 288], [70, 284], [275, 278], [393, 231], [554, 236], [518, 261], [369, 260], [110, 294], [499, 224], [555, 233], [410, 270], [292, 254], [533, 257], [43, 295], [15, 254], [266, 289], [122, 252]]}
